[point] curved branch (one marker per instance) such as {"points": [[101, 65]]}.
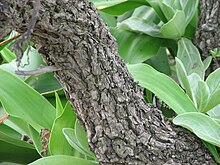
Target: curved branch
{"points": [[121, 127], [208, 32]]}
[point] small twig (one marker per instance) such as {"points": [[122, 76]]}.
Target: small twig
{"points": [[3, 118], [9, 40], [40, 70], [27, 35]]}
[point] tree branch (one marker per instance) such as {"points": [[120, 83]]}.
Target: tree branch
{"points": [[121, 127], [208, 32]]}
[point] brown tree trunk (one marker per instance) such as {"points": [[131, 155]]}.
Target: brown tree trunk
{"points": [[121, 127], [208, 32]]}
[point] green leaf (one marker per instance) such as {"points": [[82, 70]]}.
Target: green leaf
{"points": [[58, 144], [207, 62], [189, 8], [162, 86], [7, 54], [81, 137], [213, 101], [10, 152], [109, 19], [202, 96], [155, 4], [44, 83], [200, 124], [135, 48], [182, 77], [20, 100], [35, 137], [73, 138], [140, 25], [214, 113], [175, 28], [9, 132], [64, 160], [160, 61], [194, 81], [118, 7], [167, 11], [213, 80], [190, 57], [59, 106], [146, 13], [69, 134]]}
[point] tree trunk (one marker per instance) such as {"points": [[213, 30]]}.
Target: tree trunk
{"points": [[121, 127], [208, 32]]}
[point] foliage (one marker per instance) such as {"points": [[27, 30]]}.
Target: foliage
{"points": [[154, 38]]}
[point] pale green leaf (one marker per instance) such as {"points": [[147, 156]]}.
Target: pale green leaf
{"points": [[213, 80], [182, 77], [63, 160], [81, 137], [200, 124], [190, 57], [213, 101], [162, 86], [175, 28]]}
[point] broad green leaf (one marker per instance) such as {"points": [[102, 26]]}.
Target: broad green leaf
{"points": [[135, 48], [190, 57], [213, 80], [59, 106], [214, 113], [160, 61], [109, 19], [190, 7], [64, 160], [70, 136], [20, 100], [7, 54], [213, 101], [162, 86], [192, 26], [168, 11], [175, 28], [18, 124], [58, 144], [155, 4], [140, 25], [182, 77], [9, 132], [118, 7], [44, 83], [194, 81], [202, 95], [200, 124], [14, 152], [11, 140], [35, 137], [146, 13], [82, 139], [207, 62]]}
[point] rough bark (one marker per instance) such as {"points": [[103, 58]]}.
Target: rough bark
{"points": [[208, 32], [121, 127]]}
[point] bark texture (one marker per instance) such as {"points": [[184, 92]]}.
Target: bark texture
{"points": [[121, 127], [208, 32]]}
